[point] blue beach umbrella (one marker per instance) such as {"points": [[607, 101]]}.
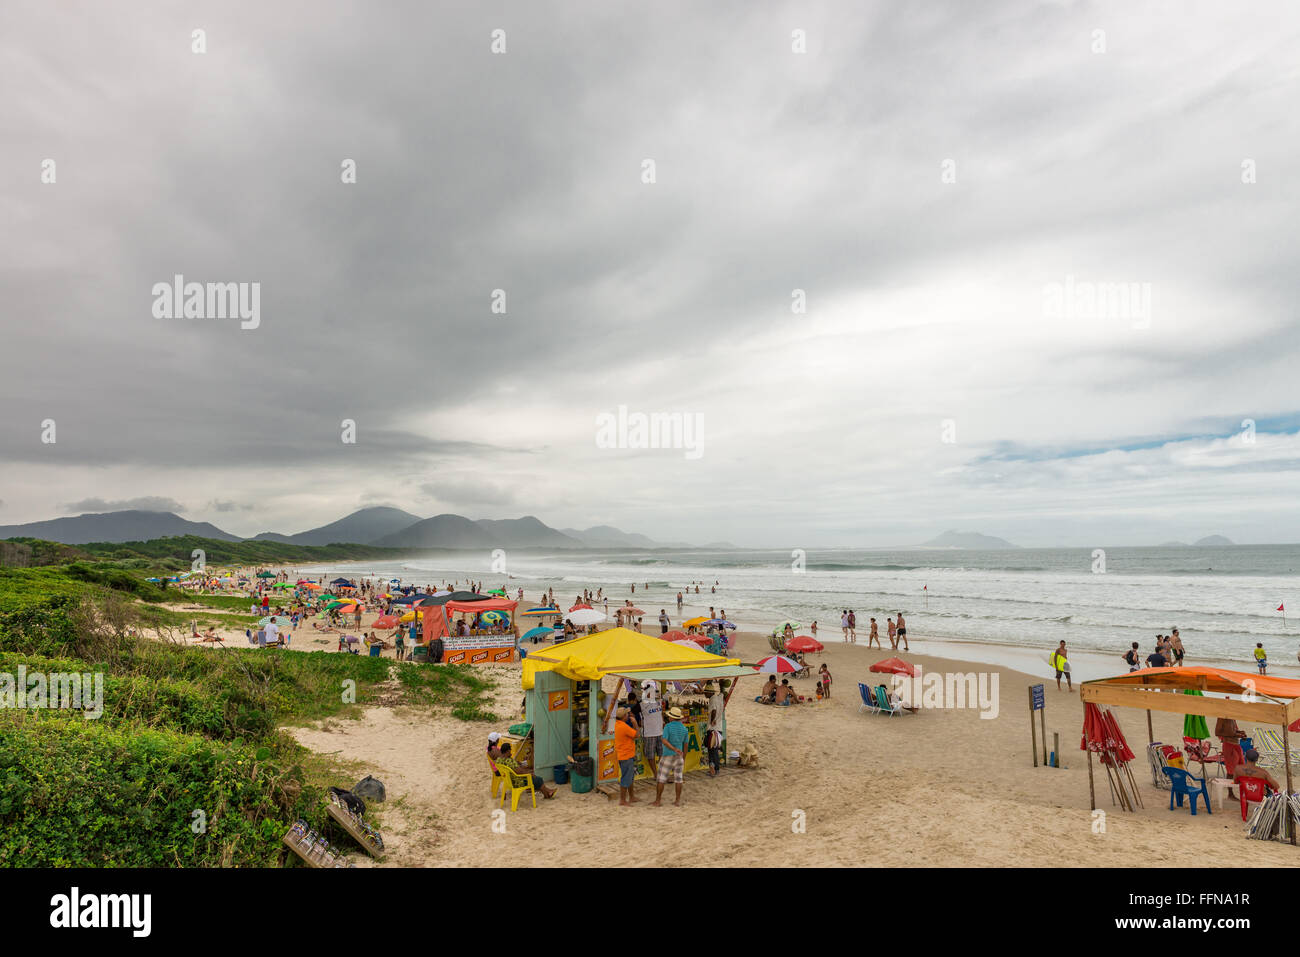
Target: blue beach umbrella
{"points": [[537, 634]]}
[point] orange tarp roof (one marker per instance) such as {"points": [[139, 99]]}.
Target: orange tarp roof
{"points": [[1205, 678]]}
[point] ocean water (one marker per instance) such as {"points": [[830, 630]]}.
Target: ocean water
{"points": [[1222, 599]]}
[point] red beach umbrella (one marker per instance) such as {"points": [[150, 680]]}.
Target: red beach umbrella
{"points": [[581, 604], [777, 664], [384, 621], [894, 666], [804, 643], [1116, 738]]}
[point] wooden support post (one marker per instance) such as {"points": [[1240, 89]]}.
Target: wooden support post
{"points": [[1286, 798], [1042, 720], [1092, 789], [1033, 733], [1151, 735], [1056, 747]]}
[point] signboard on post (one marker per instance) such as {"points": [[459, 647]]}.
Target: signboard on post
{"points": [[1037, 702]]}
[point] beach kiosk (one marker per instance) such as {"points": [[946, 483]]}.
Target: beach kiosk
{"points": [[487, 645], [570, 693]]}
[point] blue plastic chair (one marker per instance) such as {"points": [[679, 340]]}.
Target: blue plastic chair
{"points": [[1179, 785]]}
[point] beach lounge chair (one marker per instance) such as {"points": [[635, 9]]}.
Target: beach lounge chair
{"points": [[518, 785], [882, 699], [1272, 752], [868, 699], [1252, 790], [1156, 759], [1201, 752], [1183, 784]]}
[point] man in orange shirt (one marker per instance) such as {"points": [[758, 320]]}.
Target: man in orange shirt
{"points": [[625, 732]]}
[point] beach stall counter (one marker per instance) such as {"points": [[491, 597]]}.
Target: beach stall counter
{"points": [[571, 691], [493, 640]]}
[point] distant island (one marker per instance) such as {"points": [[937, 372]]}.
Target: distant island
{"points": [[952, 539], [1200, 542]]}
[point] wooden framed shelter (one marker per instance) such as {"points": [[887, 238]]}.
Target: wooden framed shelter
{"points": [[1249, 697]]}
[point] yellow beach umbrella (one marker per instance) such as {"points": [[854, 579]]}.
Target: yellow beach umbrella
{"points": [[695, 621]]}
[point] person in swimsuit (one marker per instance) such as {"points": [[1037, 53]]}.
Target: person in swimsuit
{"points": [[874, 636], [902, 631], [893, 634], [1177, 644]]}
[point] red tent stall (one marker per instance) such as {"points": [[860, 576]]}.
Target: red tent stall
{"points": [[465, 642]]}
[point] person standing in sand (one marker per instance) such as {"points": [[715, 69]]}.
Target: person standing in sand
{"points": [[825, 674], [1261, 658], [625, 733], [664, 621], [674, 760], [874, 637], [652, 726], [902, 632], [893, 634], [1176, 643], [844, 623]]}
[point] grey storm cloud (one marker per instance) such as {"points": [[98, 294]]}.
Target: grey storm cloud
{"points": [[775, 171], [145, 503]]}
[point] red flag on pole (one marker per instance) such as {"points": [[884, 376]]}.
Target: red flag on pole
{"points": [[1282, 607]]}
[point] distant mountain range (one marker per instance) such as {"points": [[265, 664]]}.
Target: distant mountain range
{"points": [[951, 539], [127, 526], [1200, 542], [381, 526]]}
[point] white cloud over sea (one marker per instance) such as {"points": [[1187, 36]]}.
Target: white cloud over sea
{"points": [[927, 302]]}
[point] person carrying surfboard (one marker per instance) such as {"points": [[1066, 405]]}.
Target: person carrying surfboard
{"points": [[1059, 660]]}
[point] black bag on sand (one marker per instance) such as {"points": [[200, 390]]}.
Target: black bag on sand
{"points": [[370, 788]]}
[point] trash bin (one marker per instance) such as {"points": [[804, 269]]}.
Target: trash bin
{"points": [[561, 774], [581, 775]]}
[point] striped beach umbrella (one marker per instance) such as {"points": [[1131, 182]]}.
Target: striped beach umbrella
{"points": [[777, 665]]}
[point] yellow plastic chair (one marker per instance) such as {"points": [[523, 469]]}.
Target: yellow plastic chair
{"points": [[495, 786], [519, 784]]}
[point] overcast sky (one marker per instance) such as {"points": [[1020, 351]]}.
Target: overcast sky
{"points": [[935, 177]]}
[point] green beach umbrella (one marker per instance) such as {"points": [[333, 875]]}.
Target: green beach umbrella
{"points": [[266, 574], [1194, 725], [282, 585]]}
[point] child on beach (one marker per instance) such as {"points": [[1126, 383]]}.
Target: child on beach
{"points": [[819, 691], [1261, 658], [826, 680]]}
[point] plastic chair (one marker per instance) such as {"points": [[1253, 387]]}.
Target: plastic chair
{"points": [[868, 699], [519, 785], [1252, 790], [1179, 786]]}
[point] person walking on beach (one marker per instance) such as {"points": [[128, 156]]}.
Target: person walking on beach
{"points": [[902, 632], [1062, 665], [814, 629], [853, 626], [874, 637], [1261, 658], [1132, 658], [893, 634], [1156, 659], [674, 760], [664, 621], [844, 623], [679, 602]]}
